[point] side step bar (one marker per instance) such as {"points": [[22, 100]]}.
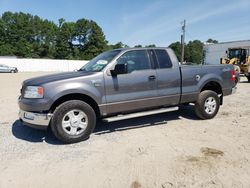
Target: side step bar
{"points": [[140, 114]]}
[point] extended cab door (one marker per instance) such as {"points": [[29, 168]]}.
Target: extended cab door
{"points": [[134, 90], [168, 76]]}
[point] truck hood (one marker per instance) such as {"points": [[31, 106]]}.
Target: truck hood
{"points": [[38, 81]]}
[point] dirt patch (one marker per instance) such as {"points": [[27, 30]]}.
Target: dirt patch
{"points": [[135, 184], [210, 152], [167, 185], [225, 113]]}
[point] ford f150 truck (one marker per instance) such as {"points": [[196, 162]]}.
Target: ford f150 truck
{"points": [[121, 82]]}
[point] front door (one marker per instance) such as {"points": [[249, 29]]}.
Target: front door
{"points": [[134, 90]]}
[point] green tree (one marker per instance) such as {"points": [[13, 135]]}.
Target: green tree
{"points": [[193, 51], [25, 35], [150, 46], [64, 41], [95, 41], [138, 46], [117, 45], [212, 41], [176, 46]]}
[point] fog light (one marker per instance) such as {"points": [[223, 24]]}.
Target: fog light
{"points": [[29, 116]]}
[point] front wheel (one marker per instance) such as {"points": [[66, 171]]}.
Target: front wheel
{"points": [[207, 105], [73, 121]]}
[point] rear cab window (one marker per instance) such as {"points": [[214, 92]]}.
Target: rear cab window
{"points": [[163, 59]]}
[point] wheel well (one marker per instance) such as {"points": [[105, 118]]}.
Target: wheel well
{"points": [[76, 96], [213, 86]]}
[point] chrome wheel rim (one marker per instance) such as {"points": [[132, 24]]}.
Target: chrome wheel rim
{"points": [[74, 122], [210, 105]]}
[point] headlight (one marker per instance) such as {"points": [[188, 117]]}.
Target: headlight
{"points": [[33, 92]]}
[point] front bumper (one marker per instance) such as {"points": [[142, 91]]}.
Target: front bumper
{"points": [[35, 120]]}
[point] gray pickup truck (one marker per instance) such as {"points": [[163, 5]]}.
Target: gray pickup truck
{"points": [[119, 83]]}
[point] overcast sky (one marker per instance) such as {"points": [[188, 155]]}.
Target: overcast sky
{"points": [[148, 21]]}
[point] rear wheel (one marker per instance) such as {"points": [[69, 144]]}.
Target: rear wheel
{"points": [[73, 121], [248, 78], [207, 105]]}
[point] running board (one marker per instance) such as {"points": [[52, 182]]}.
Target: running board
{"points": [[140, 114]]}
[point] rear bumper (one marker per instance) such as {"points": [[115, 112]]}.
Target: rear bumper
{"points": [[229, 91], [234, 89], [35, 120]]}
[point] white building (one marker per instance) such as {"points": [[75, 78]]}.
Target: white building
{"points": [[214, 52], [46, 65]]}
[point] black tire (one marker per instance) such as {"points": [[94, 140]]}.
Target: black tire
{"points": [[60, 113], [248, 78], [12, 71], [201, 110]]}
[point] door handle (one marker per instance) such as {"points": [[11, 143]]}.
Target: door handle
{"points": [[152, 77]]}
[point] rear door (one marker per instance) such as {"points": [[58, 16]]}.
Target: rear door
{"points": [[168, 77], [135, 90]]}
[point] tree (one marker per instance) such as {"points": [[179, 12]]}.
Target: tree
{"points": [[193, 51], [25, 35], [138, 46], [176, 46], [150, 46], [212, 41], [64, 39], [117, 45], [91, 39]]}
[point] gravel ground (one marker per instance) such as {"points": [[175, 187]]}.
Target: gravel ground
{"points": [[166, 150]]}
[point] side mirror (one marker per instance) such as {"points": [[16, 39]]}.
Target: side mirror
{"points": [[120, 69]]}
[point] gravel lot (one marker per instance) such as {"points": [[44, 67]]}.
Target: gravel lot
{"points": [[166, 150]]}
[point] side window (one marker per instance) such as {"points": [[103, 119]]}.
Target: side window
{"points": [[163, 59], [136, 60]]}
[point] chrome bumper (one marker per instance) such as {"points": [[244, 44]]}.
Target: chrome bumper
{"points": [[36, 120]]}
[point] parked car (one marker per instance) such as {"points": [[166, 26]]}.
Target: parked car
{"points": [[5, 68], [120, 82]]}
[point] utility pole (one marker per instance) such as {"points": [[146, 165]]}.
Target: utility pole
{"points": [[183, 29]]}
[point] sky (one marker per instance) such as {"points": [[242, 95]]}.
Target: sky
{"points": [[147, 22]]}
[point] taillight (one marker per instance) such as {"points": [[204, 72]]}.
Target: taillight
{"points": [[233, 75]]}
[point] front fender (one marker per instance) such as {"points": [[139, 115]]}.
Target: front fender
{"points": [[56, 90]]}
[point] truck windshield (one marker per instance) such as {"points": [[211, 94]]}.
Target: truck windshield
{"points": [[101, 61]]}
